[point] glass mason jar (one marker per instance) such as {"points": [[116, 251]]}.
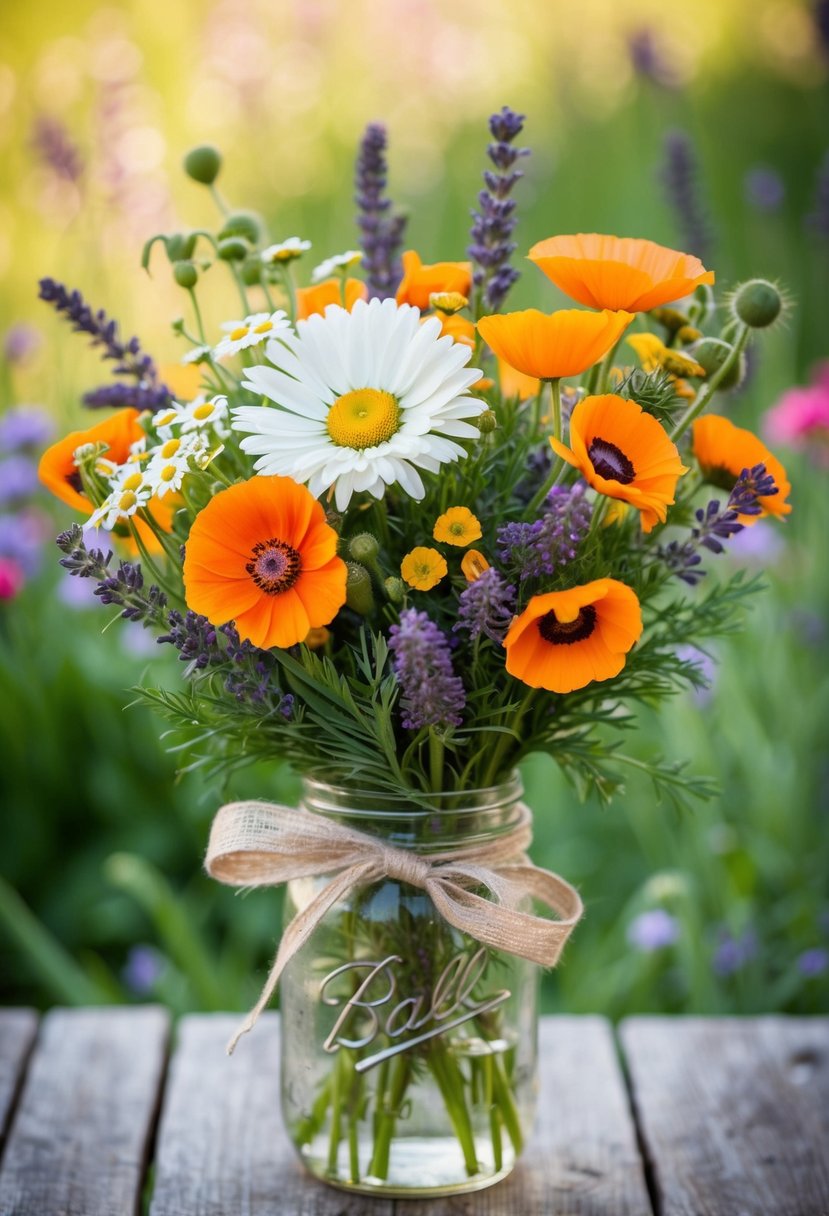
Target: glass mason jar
{"points": [[408, 1048]]}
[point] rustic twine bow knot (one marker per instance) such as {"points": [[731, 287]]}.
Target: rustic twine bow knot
{"points": [[260, 844]]}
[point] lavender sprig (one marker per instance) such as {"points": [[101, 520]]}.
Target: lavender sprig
{"points": [[491, 244], [382, 230], [486, 607], [680, 179], [432, 695], [124, 588], [550, 543], [51, 141], [716, 524], [128, 357]]}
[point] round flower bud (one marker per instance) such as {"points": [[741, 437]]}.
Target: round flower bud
{"points": [[242, 223], [687, 334], [363, 548], [358, 593], [251, 272], [395, 590], [711, 353], [487, 422], [185, 274], [203, 164], [757, 303], [233, 249]]}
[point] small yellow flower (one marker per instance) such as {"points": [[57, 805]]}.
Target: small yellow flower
{"points": [[457, 526], [317, 638], [473, 565], [423, 568], [654, 354]]}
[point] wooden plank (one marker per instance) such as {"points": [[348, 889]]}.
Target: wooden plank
{"points": [[80, 1136], [222, 1147], [582, 1158], [734, 1113], [17, 1031]]}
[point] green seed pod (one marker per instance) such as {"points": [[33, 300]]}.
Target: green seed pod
{"points": [[757, 303], [358, 593], [711, 353], [363, 548], [242, 223], [185, 274], [233, 249], [203, 164], [487, 422], [251, 272], [687, 334], [395, 590]]}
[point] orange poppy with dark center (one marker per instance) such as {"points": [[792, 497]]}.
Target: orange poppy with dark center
{"points": [[724, 450], [58, 471]]}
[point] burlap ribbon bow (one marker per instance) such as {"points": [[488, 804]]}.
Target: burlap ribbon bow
{"points": [[259, 844]]}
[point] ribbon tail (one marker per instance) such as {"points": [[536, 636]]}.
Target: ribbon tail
{"points": [[298, 932]]}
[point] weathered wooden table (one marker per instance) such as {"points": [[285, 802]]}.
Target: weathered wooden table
{"points": [[99, 1110]]}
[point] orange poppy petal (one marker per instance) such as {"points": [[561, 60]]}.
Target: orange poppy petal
{"points": [[551, 346]]}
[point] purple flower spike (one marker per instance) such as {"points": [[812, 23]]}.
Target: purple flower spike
{"points": [[486, 606], [653, 930], [432, 695], [494, 223], [680, 181], [382, 231], [813, 962], [552, 542]]}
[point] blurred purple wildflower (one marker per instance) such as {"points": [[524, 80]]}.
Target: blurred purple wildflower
{"points": [[546, 545], [381, 229], [760, 543], [764, 189], [493, 224], [649, 60], [707, 667], [123, 588], [142, 969], [22, 536], [813, 962], [20, 342], [432, 695], [653, 930], [818, 218], [55, 148], [679, 174], [24, 426], [732, 953], [18, 479], [486, 606]]}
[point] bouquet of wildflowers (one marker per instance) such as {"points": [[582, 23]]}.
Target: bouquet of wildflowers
{"points": [[404, 538]]}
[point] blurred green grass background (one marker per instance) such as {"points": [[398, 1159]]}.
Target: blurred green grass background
{"points": [[101, 895]]}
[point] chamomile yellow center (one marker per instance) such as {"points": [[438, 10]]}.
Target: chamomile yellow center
{"points": [[240, 332], [170, 448], [363, 418], [168, 472], [127, 501], [263, 328], [203, 411], [132, 482]]}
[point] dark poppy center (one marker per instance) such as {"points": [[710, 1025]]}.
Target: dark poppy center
{"points": [[566, 632], [720, 477], [274, 566], [74, 480], [610, 462]]}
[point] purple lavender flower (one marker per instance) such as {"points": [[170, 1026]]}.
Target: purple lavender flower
{"points": [[21, 539], [432, 695], [20, 342], [142, 969], [550, 543], [764, 189], [382, 230], [124, 588], [24, 426], [707, 668], [486, 606], [813, 962], [493, 224], [732, 953], [18, 479], [52, 143], [653, 930], [195, 639], [128, 357], [679, 174], [648, 59]]}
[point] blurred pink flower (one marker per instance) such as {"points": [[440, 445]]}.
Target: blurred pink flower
{"points": [[801, 417], [11, 578]]}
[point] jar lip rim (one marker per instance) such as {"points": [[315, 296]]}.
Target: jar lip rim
{"points": [[420, 802]]}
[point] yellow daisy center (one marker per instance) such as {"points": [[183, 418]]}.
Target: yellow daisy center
{"points": [[170, 448], [263, 328], [127, 501], [168, 472], [203, 411], [363, 418], [166, 418], [132, 482], [240, 332]]}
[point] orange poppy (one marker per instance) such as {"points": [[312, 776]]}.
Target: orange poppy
{"points": [[618, 272], [724, 450], [459, 328], [312, 300], [58, 471], [566, 639], [516, 384], [624, 453], [419, 282], [262, 555], [551, 345]]}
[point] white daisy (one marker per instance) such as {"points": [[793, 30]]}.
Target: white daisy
{"points": [[130, 492], [258, 327], [367, 397], [202, 413], [285, 251], [196, 355], [336, 265]]}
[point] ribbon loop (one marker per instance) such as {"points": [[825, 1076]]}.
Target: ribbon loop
{"points": [[260, 844]]}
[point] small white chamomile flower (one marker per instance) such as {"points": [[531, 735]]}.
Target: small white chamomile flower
{"points": [[338, 264], [202, 413], [285, 251], [130, 492], [196, 355], [259, 327], [172, 460]]}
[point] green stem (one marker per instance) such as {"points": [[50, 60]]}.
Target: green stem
{"points": [[379, 1167], [336, 1114], [450, 1083], [198, 316], [435, 760], [219, 201], [555, 389], [502, 1094], [311, 1124], [243, 295], [708, 389], [504, 741]]}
